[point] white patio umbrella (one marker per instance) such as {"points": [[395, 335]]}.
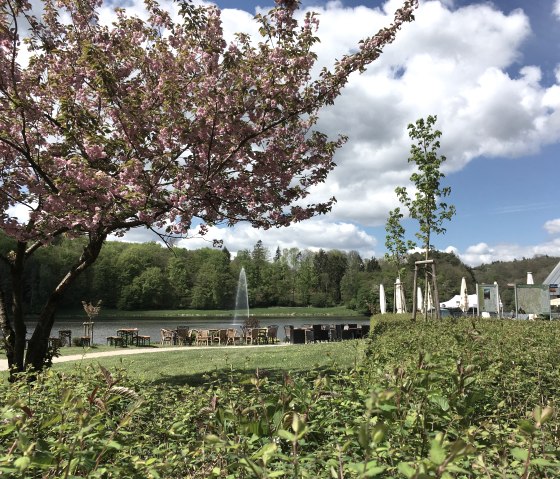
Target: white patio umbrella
{"points": [[500, 305], [400, 305], [429, 301], [419, 300], [382, 300], [464, 296], [530, 281], [398, 296]]}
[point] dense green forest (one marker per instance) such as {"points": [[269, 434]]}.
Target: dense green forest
{"points": [[148, 276]]}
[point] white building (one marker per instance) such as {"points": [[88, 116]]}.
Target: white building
{"points": [[553, 280]]}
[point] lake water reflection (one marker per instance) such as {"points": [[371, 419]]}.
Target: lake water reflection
{"points": [[152, 326]]}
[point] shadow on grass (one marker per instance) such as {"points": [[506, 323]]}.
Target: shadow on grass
{"points": [[239, 376]]}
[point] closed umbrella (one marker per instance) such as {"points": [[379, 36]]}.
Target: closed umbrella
{"points": [[530, 281], [419, 300], [429, 301], [464, 296], [400, 305], [500, 305], [382, 300]]}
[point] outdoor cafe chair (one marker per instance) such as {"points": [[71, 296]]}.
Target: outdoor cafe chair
{"points": [[288, 333], [203, 336], [252, 336], [220, 336], [183, 336], [262, 335], [320, 333], [272, 333], [166, 336], [338, 328], [232, 336]]}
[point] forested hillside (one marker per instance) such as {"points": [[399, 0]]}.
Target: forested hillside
{"points": [[149, 276]]}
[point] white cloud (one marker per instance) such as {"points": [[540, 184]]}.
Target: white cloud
{"points": [[449, 63], [312, 234], [463, 64], [556, 9], [483, 253], [553, 226]]}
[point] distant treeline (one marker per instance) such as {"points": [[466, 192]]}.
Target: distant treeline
{"points": [[148, 276]]}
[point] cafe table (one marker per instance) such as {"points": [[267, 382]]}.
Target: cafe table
{"points": [[128, 335]]}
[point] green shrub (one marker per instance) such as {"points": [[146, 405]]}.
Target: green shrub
{"points": [[462, 399]]}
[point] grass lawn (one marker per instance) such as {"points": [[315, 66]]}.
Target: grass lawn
{"points": [[336, 311], [192, 366]]}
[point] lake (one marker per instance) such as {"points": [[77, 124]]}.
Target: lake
{"points": [[152, 326]]}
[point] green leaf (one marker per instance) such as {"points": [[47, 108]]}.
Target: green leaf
{"points": [[363, 438], [22, 462], [298, 423], [379, 432], [520, 454], [437, 452], [441, 401], [286, 435], [539, 461], [213, 439], [266, 452], [372, 469], [406, 469], [114, 445], [527, 427]]}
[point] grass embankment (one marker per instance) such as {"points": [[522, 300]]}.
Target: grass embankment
{"points": [[276, 312]]}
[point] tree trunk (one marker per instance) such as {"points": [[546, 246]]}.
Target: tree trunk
{"points": [[38, 354], [7, 330], [20, 328]]}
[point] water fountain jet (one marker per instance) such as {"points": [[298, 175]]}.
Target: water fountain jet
{"points": [[241, 314]]}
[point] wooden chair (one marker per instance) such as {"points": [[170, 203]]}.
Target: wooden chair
{"points": [[232, 336], [263, 336], [115, 341], [219, 336], [143, 340], [166, 337], [288, 333], [320, 333], [183, 336], [203, 336], [272, 333], [252, 336]]}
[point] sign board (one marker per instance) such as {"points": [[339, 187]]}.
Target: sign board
{"points": [[488, 298], [532, 299]]}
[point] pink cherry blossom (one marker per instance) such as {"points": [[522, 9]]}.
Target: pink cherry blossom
{"points": [[105, 129]]}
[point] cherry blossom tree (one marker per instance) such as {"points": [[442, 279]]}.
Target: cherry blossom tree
{"points": [[156, 123]]}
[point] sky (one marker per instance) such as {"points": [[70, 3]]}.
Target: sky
{"points": [[490, 71]]}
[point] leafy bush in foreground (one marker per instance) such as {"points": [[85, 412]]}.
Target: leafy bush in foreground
{"points": [[447, 400]]}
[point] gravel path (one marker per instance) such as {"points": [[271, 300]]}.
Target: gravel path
{"points": [[126, 352]]}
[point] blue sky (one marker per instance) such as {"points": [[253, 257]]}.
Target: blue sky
{"points": [[490, 72]]}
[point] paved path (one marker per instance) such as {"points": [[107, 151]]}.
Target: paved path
{"points": [[125, 352]]}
